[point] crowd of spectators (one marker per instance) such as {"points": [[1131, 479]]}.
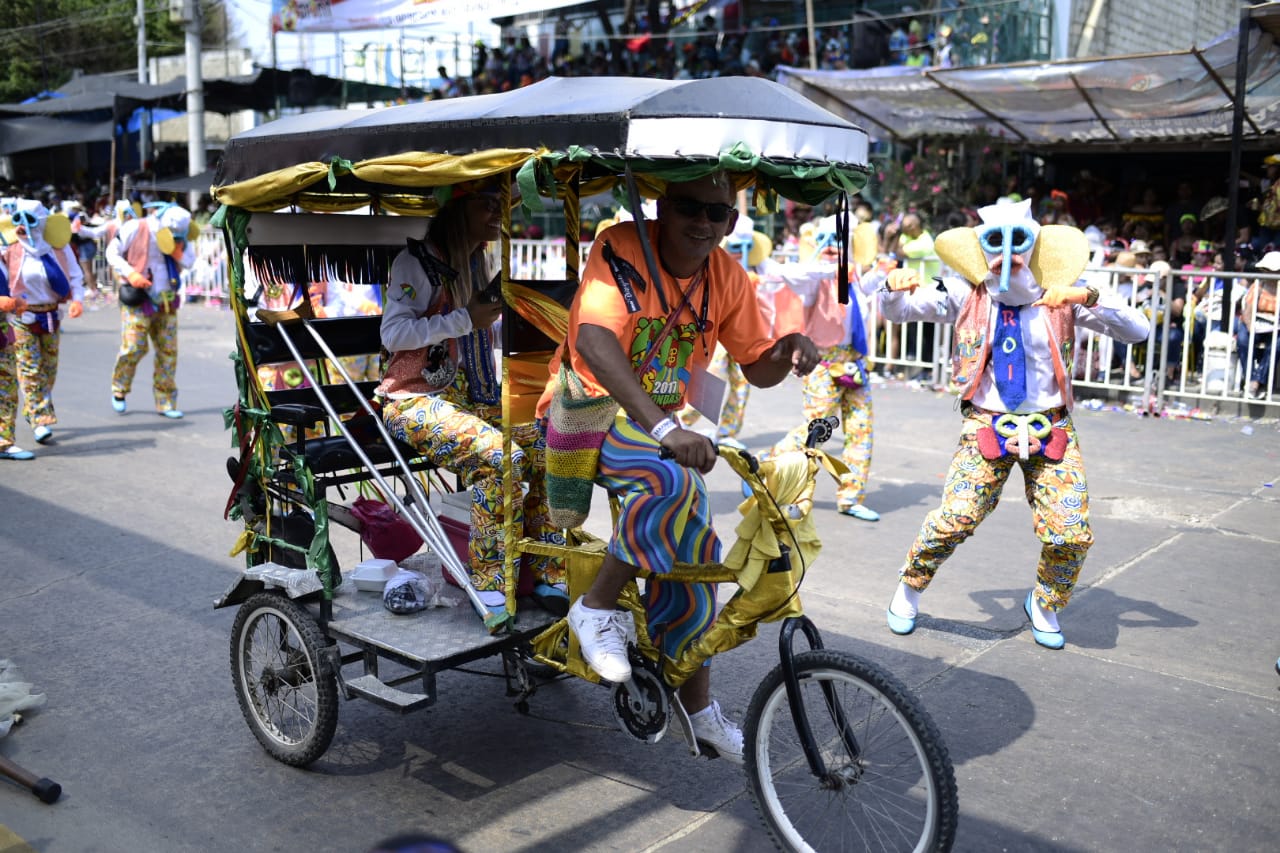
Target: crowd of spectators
{"points": [[690, 47]]}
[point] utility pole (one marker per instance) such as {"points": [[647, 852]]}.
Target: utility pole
{"points": [[195, 97], [144, 124]]}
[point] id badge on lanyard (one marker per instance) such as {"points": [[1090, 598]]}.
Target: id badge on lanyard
{"points": [[706, 393]]}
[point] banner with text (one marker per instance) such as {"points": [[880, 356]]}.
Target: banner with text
{"points": [[326, 16]]}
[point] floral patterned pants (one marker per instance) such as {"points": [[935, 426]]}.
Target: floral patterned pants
{"points": [[823, 397], [37, 363], [1056, 491], [8, 387], [468, 442], [136, 328]]}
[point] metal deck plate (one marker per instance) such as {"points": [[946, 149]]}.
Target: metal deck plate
{"points": [[431, 636]]}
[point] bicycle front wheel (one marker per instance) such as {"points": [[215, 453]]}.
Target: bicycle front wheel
{"points": [[887, 783]]}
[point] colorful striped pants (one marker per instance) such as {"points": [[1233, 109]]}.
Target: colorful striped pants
{"points": [[665, 518]]}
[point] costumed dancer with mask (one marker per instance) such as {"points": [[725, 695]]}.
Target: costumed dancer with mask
{"points": [[8, 369], [44, 272], [149, 254], [839, 385], [1015, 311]]}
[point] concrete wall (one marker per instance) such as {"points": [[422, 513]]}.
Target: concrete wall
{"points": [[1151, 26]]}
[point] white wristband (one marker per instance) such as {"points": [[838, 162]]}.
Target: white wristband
{"points": [[662, 429]]}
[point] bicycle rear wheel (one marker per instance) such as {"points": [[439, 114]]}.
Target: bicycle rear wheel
{"points": [[888, 785]]}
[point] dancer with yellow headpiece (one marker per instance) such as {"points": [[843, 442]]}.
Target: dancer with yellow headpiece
{"points": [[839, 385], [43, 273], [1015, 305], [149, 254]]}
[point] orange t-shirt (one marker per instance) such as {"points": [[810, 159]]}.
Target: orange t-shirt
{"points": [[732, 319]]}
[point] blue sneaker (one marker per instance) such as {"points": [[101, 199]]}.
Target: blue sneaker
{"points": [[1048, 639], [174, 414], [860, 512], [43, 434], [15, 452], [117, 403], [553, 598]]}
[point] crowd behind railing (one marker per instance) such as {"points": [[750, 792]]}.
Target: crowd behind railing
{"points": [[1212, 352]]}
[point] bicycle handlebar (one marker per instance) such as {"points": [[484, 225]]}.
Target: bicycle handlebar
{"points": [[820, 431]]}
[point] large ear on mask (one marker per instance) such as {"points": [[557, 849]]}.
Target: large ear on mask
{"points": [[1059, 257], [959, 249], [164, 241], [8, 231], [57, 230], [761, 248], [865, 244]]}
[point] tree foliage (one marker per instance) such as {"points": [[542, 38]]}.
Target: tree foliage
{"points": [[45, 42]]}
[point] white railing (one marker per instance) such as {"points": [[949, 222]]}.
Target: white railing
{"points": [[1188, 362]]}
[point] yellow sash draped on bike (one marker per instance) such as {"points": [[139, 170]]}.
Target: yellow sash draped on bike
{"points": [[767, 585]]}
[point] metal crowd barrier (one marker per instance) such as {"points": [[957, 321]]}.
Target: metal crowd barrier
{"points": [[1191, 361], [206, 280], [1198, 360]]}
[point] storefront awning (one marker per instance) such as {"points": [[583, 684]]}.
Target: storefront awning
{"points": [[1123, 102]]}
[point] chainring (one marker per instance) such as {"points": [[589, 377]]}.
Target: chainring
{"points": [[642, 706]]}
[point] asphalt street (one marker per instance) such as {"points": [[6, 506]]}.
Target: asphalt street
{"points": [[1156, 729]]}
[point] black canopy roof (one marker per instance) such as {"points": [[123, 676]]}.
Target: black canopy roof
{"points": [[624, 116]]}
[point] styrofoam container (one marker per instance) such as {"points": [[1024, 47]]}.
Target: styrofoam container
{"points": [[455, 505], [372, 575]]}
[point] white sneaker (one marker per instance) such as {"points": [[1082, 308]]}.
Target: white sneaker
{"points": [[711, 728], [603, 635]]}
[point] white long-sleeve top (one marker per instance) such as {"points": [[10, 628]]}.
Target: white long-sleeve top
{"points": [[929, 303], [36, 288], [406, 323], [156, 269]]}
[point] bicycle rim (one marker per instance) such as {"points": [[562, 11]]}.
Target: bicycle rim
{"points": [[889, 784]]}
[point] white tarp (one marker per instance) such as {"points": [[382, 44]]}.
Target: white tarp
{"points": [[326, 16], [1176, 96]]}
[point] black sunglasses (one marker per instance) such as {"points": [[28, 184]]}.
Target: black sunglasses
{"points": [[691, 208]]}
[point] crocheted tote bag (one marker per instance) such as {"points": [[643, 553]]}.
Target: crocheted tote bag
{"points": [[576, 428]]}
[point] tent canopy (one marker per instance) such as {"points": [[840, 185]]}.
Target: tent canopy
{"points": [[88, 107], [1124, 102]]}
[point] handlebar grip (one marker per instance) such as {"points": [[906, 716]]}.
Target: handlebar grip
{"points": [[820, 430], [664, 453]]}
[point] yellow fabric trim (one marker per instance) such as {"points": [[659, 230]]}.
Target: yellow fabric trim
{"points": [[420, 169], [546, 314]]}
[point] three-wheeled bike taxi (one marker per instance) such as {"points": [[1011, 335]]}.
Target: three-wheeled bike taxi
{"points": [[838, 753]]}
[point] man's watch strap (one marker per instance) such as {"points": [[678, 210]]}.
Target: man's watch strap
{"points": [[1092, 299]]}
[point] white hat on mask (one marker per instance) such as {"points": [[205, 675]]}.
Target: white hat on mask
{"points": [[177, 219], [742, 229]]}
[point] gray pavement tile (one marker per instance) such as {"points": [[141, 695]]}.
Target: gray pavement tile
{"points": [[1063, 751]]}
